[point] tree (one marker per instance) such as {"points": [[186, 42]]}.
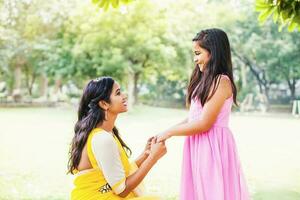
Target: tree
{"points": [[105, 4], [123, 45], [29, 29], [272, 57], [285, 12]]}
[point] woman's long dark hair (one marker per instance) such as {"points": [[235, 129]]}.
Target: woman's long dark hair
{"points": [[90, 114], [216, 42]]}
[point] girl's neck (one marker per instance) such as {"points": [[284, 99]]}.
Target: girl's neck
{"points": [[109, 123]]}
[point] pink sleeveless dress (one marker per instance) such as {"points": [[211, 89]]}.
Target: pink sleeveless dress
{"points": [[211, 169]]}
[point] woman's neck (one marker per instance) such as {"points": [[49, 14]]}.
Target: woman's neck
{"points": [[108, 124]]}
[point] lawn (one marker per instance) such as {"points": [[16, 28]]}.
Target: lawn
{"points": [[34, 148]]}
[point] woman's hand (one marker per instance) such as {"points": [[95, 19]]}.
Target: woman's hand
{"points": [[147, 149], [144, 155], [158, 149]]}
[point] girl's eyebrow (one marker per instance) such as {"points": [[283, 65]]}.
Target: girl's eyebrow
{"points": [[117, 90]]}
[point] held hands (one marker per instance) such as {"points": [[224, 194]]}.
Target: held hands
{"points": [[157, 149], [147, 149], [163, 137]]}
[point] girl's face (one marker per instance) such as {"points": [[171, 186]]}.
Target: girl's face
{"points": [[201, 56], [118, 100]]}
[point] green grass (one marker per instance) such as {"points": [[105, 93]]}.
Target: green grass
{"points": [[34, 148]]}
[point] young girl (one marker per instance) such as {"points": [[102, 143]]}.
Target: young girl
{"points": [[211, 169], [98, 155]]}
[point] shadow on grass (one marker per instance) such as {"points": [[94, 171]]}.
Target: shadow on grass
{"points": [[276, 194]]}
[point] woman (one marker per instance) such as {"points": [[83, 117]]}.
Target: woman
{"points": [[99, 156]]}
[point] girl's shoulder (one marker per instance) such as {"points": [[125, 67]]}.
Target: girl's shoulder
{"points": [[224, 84], [223, 77]]}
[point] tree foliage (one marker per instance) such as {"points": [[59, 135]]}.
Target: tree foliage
{"points": [[105, 4], [284, 12]]}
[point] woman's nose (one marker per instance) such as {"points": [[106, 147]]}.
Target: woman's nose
{"points": [[195, 60]]}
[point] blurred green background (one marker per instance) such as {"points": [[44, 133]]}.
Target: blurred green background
{"points": [[50, 49]]}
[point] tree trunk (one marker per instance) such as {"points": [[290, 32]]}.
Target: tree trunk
{"points": [[17, 83], [260, 76], [30, 78], [292, 87], [130, 89], [43, 85], [133, 80], [57, 86], [18, 73], [244, 75], [56, 96], [30, 86], [136, 89]]}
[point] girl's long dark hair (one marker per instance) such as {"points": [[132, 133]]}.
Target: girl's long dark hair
{"points": [[216, 42], [90, 114]]}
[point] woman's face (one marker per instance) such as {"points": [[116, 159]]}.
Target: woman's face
{"points": [[118, 100], [201, 56]]}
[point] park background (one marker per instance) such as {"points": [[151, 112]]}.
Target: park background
{"points": [[50, 49]]}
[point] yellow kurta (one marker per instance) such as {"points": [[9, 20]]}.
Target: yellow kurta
{"points": [[91, 185]]}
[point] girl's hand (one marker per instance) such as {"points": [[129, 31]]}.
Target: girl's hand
{"points": [[163, 137]]}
